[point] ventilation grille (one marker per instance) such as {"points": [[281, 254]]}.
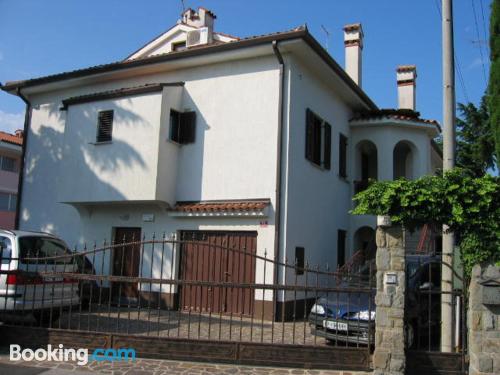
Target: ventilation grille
{"points": [[105, 126]]}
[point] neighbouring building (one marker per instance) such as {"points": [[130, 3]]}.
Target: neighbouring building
{"points": [[262, 140], [10, 162]]}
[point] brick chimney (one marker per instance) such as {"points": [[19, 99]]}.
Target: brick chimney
{"points": [[407, 88], [353, 41]]}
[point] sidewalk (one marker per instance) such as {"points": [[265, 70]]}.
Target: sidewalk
{"points": [[153, 367]]}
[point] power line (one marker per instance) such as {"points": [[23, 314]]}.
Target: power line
{"points": [[479, 38], [459, 67], [484, 25]]}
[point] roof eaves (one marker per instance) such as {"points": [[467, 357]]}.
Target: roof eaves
{"points": [[299, 32], [120, 65], [122, 92]]}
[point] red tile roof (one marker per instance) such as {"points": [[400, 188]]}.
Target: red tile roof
{"points": [[222, 206], [11, 138], [394, 114]]}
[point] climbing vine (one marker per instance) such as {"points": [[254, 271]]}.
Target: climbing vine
{"points": [[469, 205]]}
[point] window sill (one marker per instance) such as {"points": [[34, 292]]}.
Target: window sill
{"points": [[100, 143], [173, 142], [317, 166], [345, 179]]}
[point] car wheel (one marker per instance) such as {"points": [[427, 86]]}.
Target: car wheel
{"points": [[409, 336]]}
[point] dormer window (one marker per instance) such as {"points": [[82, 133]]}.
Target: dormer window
{"points": [[179, 46]]}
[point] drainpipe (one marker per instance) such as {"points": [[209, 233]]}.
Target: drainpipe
{"points": [[27, 121], [279, 146]]}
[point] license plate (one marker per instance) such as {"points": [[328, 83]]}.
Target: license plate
{"points": [[333, 325]]}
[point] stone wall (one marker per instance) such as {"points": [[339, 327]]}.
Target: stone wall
{"points": [[484, 320], [389, 355]]}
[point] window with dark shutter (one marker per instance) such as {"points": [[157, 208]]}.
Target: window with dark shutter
{"points": [[175, 126], [299, 260], [182, 127], [318, 140], [309, 134], [188, 127], [341, 237], [327, 146], [343, 155], [104, 126]]}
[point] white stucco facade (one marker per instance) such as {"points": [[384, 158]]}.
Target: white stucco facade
{"points": [[82, 191]]}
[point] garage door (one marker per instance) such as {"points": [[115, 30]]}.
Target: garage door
{"points": [[218, 257]]}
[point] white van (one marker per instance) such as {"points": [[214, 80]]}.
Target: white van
{"points": [[25, 287]]}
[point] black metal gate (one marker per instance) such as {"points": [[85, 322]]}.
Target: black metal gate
{"points": [[426, 297], [318, 318]]}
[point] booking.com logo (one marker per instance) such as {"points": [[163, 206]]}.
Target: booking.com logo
{"points": [[62, 354]]}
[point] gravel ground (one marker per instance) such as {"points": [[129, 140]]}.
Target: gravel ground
{"points": [[163, 323]]}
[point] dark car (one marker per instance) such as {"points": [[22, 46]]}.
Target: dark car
{"points": [[350, 316]]}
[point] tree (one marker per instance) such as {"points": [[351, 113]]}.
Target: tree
{"points": [[494, 81], [469, 205], [475, 142]]}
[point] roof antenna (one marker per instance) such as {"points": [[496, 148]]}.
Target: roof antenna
{"points": [[327, 36], [183, 6]]}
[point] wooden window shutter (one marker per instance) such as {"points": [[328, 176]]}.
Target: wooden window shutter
{"points": [[187, 127], [317, 130], [341, 250], [104, 126], [343, 155], [309, 135], [299, 260], [327, 154]]}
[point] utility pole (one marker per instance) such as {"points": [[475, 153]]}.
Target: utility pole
{"points": [[448, 163]]}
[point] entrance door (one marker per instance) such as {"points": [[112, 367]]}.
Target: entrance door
{"points": [[126, 261], [218, 257]]}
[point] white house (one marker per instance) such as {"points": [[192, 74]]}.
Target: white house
{"points": [[262, 140]]}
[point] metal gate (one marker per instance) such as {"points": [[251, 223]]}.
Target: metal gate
{"points": [[424, 326], [222, 305]]}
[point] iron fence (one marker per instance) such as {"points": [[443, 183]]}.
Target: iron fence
{"points": [[189, 288]]}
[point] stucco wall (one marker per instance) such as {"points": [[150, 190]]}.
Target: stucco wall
{"points": [[233, 157], [317, 200]]}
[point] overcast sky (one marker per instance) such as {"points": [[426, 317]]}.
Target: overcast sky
{"points": [[38, 38]]}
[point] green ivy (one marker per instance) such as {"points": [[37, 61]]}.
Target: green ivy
{"points": [[469, 205]]}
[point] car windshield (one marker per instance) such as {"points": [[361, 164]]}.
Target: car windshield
{"points": [[42, 247], [5, 249]]}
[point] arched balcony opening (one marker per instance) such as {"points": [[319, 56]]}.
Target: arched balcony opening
{"points": [[366, 165], [364, 242], [403, 160]]}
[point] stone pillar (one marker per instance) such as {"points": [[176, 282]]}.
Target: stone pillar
{"points": [[389, 356], [483, 320]]}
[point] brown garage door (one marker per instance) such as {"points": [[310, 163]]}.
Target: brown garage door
{"points": [[214, 256]]}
